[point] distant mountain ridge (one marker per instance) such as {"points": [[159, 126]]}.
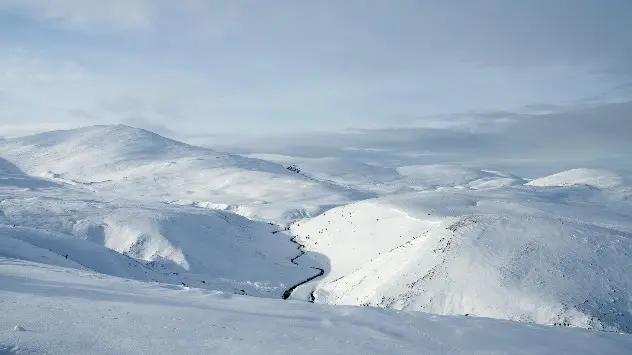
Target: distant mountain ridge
{"points": [[136, 162]]}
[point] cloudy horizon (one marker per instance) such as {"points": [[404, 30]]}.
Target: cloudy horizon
{"points": [[226, 67], [484, 80]]}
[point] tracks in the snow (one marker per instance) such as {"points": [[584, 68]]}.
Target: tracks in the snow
{"points": [[320, 273]]}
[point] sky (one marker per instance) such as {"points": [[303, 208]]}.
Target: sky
{"points": [[195, 67], [592, 135]]}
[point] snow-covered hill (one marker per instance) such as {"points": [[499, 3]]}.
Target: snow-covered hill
{"points": [[58, 311], [184, 227], [543, 255], [139, 164], [12, 177], [126, 236], [435, 176], [384, 180], [346, 172], [207, 249], [590, 177]]}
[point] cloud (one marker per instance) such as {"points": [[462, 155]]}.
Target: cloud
{"points": [[592, 135], [17, 130], [93, 16], [83, 115], [199, 19], [223, 66], [38, 88], [152, 126], [370, 34]]}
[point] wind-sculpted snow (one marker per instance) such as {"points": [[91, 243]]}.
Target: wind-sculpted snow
{"points": [[60, 311], [550, 256]]}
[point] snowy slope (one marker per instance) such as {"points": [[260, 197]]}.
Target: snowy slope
{"points": [[71, 226], [205, 249], [445, 175], [383, 180], [543, 255], [11, 177], [346, 172], [115, 201], [590, 177], [54, 310], [136, 163]]}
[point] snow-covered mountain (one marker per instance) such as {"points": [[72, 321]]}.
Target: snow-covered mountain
{"points": [[114, 217], [536, 254], [386, 180], [77, 213], [600, 179], [137, 163], [71, 227]]}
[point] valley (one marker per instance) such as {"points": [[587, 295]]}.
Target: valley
{"points": [[165, 224]]}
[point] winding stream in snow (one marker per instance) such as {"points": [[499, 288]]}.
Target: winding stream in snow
{"points": [[320, 273]]}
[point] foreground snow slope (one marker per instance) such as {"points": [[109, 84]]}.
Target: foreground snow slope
{"points": [[139, 164], [535, 254], [54, 310]]}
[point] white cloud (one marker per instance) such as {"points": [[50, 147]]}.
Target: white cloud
{"points": [[18, 130], [595, 135], [21, 66], [87, 15], [247, 65], [195, 18]]}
